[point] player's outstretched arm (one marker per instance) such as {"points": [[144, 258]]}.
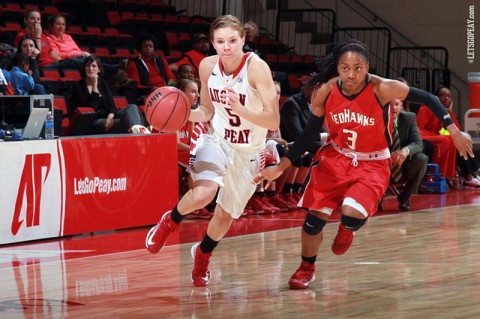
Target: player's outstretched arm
{"points": [[390, 89]]}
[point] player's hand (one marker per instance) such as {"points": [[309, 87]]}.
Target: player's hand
{"points": [[232, 99], [463, 142], [269, 174]]}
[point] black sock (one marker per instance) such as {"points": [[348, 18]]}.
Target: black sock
{"points": [[270, 193], [208, 245], [297, 188], [310, 260], [260, 194], [176, 216], [287, 188]]}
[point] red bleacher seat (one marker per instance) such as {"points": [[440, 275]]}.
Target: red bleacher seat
{"points": [[120, 102], [103, 54], [60, 104]]}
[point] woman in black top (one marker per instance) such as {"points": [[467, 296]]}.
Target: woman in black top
{"points": [[93, 91]]}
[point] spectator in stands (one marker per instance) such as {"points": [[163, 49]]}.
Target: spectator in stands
{"points": [[201, 48], [409, 156], [267, 200], [294, 115], [28, 46], [445, 154], [32, 21], [190, 88], [93, 91], [252, 32], [431, 125], [48, 57], [148, 69], [22, 81], [185, 71], [62, 43]]}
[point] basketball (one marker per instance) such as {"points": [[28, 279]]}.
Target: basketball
{"points": [[167, 109]]}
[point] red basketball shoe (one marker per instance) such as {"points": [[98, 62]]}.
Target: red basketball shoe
{"points": [[343, 240], [200, 272], [255, 205], [157, 236], [303, 277], [277, 201], [268, 207], [292, 204]]}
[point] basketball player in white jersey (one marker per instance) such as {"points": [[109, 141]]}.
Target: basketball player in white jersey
{"points": [[239, 97]]}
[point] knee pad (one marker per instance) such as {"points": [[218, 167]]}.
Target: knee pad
{"points": [[352, 223], [313, 225]]}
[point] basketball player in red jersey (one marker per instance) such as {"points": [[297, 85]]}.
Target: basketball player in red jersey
{"points": [[351, 173], [239, 98]]}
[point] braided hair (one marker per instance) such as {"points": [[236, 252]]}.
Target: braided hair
{"points": [[327, 67]]}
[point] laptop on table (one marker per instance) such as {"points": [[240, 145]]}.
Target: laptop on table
{"points": [[35, 123]]}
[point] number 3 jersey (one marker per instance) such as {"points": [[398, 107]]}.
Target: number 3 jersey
{"points": [[237, 131], [359, 123]]}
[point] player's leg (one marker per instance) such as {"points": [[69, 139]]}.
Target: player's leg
{"points": [[207, 173], [311, 237], [367, 186], [232, 198]]}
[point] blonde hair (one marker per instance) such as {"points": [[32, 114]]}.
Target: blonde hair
{"points": [[225, 22]]}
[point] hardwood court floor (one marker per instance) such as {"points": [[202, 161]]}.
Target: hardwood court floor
{"points": [[420, 264]]}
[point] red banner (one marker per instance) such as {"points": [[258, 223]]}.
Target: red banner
{"points": [[74, 186]]}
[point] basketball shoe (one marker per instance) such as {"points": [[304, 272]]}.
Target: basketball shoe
{"points": [[277, 201], [200, 272], [269, 208], [157, 236], [288, 197], [343, 240], [303, 277], [139, 129]]}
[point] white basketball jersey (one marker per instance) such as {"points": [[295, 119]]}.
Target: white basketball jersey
{"points": [[237, 131]]}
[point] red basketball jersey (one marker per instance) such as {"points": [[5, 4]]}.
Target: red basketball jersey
{"points": [[359, 122]]}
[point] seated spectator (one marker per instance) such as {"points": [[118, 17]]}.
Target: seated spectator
{"points": [[32, 21], [201, 49], [148, 69], [251, 32], [444, 151], [28, 46], [33, 27], [185, 71], [62, 43], [22, 82], [294, 115], [468, 167], [93, 91], [268, 200], [406, 154], [190, 88]]}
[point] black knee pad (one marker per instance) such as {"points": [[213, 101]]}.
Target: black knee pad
{"points": [[352, 223], [313, 225]]}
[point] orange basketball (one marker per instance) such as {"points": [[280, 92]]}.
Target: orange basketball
{"points": [[167, 109]]}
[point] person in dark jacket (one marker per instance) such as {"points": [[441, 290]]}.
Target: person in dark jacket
{"points": [[93, 91], [294, 115], [148, 69]]}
